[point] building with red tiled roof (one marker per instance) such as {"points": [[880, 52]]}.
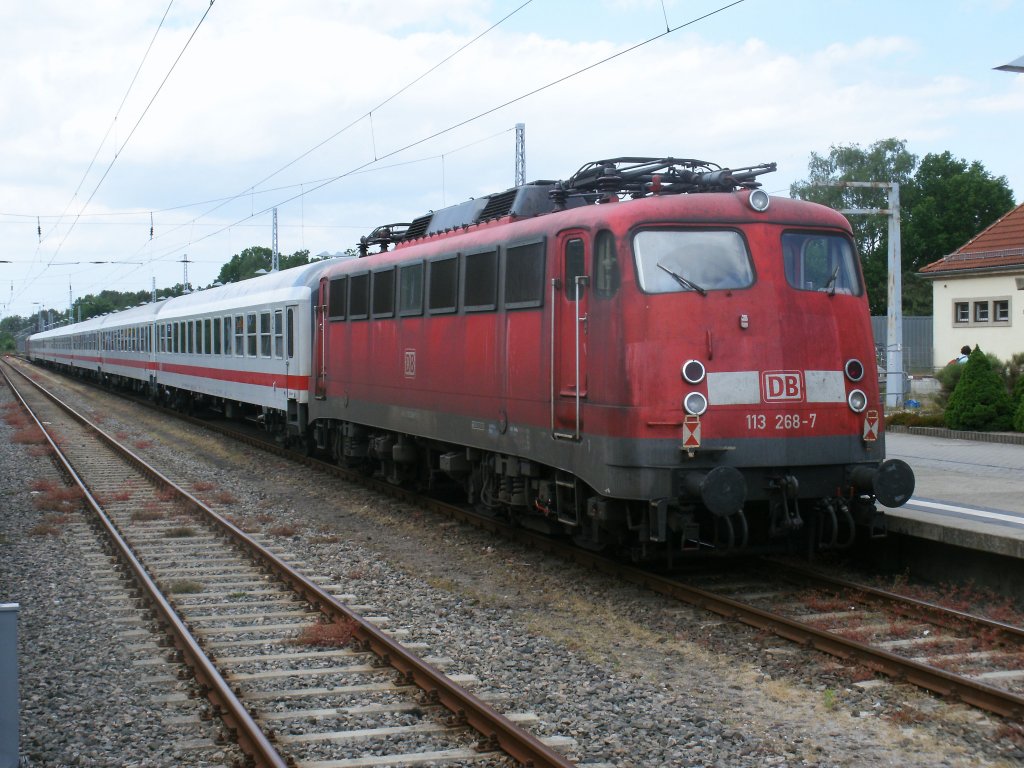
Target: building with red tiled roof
{"points": [[978, 292]]}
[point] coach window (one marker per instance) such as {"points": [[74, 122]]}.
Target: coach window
{"points": [[265, 335], [191, 337], [524, 276], [250, 334], [239, 336], [174, 327], [278, 333], [443, 285], [359, 296], [575, 266], [291, 333], [199, 337], [675, 260], [207, 337], [226, 321], [383, 293], [216, 335], [606, 265], [480, 281], [818, 262], [410, 289], [336, 299]]}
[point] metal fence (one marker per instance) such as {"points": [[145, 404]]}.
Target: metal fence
{"points": [[917, 343]]}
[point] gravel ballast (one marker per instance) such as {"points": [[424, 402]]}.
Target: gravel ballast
{"points": [[635, 679]]}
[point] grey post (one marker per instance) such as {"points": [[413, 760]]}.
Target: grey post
{"points": [[9, 685]]}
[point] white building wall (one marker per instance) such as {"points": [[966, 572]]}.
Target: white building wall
{"points": [[1001, 338]]}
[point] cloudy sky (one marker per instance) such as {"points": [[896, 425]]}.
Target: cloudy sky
{"points": [[347, 115]]}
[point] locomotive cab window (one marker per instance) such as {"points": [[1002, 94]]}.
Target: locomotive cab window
{"points": [[606, 265], [675, 260], [480, 281], [820, 262], [575, 266], [524, 276], [410, 289], [443, 278]]}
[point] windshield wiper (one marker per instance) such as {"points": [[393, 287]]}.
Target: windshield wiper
{"points": [[830, 286], [688, 284]]}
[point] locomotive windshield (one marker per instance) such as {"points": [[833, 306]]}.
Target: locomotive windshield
{"points": [[691, 260], [819, 262]]}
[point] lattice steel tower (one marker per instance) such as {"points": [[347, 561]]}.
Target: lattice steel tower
{"points": [[520, 154]]}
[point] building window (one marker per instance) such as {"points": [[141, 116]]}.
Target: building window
{"points": [[1001, 310], [961, 312], [981, 312]]}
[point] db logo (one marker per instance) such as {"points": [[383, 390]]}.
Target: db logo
{"points": [[410, 363], [787, 386]]}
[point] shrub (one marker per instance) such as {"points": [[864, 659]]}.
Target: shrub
{"points": [[1018, 416], [980, 401], [911, 419]]}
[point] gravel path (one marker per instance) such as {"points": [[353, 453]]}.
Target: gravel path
{"points": [[635, 679]]}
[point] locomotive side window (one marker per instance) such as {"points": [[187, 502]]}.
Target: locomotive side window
{"points": [[575, 266], [606, 265], [359, 296], [278, 333], [384, 293], [443, 277], [250, 334], [480, 282], [336, 299], [265, 335], [410, 288], [524, 276], [670, 261], [820, 262]]}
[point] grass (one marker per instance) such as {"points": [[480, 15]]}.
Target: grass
{"points": [[225, 497], [51, 525], [284, 531], [185, 587], [146, 514], [330, 635], [203, 486], [180, 532]]}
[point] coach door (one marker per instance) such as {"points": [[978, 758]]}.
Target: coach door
{"points": [[569, 301], [320, 339]]}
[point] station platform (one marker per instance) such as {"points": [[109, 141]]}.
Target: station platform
{"points": [[968, 506]]}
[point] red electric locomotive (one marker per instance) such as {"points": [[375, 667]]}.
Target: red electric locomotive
{"points": [[654, 357]]}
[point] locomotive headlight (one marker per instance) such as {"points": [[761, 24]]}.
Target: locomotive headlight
{"points": [[693, 371], [759, 200], [857, 401], [854, 369], [695, 403]]}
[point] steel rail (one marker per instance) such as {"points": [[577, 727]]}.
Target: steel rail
{"points": [[931, 678], [914, 606], [496, 730], [236, 717]]}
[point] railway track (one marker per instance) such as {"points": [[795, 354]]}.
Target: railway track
{"points": [[297, 676], [953, 654]]}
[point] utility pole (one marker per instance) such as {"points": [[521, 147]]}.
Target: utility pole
{"points": [[275, 261], [520, 154], [894, 327]]}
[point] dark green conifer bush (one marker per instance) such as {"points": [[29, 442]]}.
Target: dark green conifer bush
{"points": [[980, 400]]}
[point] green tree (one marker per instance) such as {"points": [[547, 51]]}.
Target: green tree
{"points": [[944, 201], [246, 264], [980, 400]]}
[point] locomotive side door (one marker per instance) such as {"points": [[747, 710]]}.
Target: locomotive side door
{"points": [[569, 302], [320, 339]]}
